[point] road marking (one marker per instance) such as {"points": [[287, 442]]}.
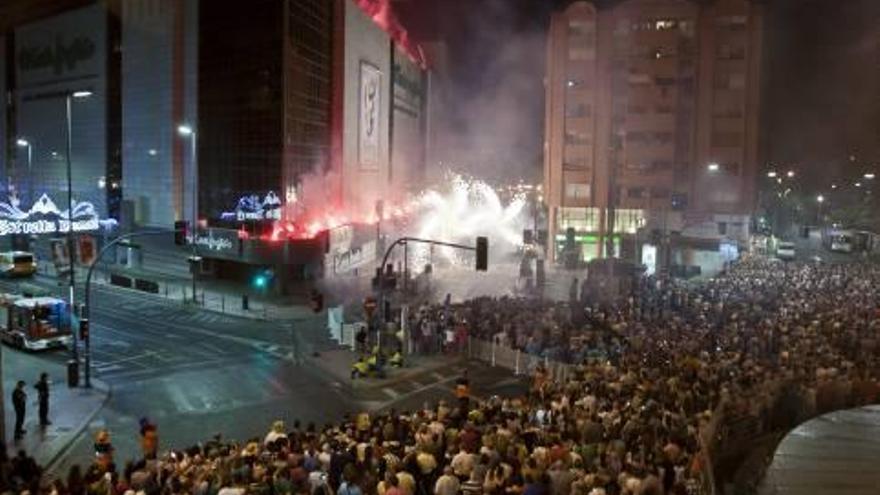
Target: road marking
{"points": [[390, 392], [400, 397], [127, 359], [438, 376], [107, 368]]}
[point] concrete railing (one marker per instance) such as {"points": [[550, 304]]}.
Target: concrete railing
{"points": [[735, 425]]}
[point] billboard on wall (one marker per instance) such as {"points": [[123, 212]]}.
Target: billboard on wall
{"points": [[54, 57], [369, 106]]}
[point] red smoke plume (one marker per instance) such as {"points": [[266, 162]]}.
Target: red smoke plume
{"points": [[382, 14]]}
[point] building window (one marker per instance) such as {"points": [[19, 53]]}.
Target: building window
{"points": [[635, 192], [686, 28], [577, 190], [576, 138], [721, 139], [724, 80], [578, 110], [638, 78], [659, 193], [665, 24], [725, 51], [581, 53], [732, 22], [636, 109], [579, 28], [663, 137], [722, 228]]}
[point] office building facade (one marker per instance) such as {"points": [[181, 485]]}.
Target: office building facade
{"points": [[299, 110], [651, 126]]}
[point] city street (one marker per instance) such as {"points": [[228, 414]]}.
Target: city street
{"points": [[195, 372]]}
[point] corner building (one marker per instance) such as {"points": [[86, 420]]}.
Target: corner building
{"points": [[651, 131], [300, 110]]}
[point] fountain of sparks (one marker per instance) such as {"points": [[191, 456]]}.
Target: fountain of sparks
{"points": [[461, 212]]}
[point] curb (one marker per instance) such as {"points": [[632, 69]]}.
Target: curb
{"points": [[97, 385]]}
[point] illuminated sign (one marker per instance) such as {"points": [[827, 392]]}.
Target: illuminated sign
{"points": [[217, 241], [251, 207], [45, 218]]}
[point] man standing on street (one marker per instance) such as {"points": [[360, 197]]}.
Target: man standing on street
{"points": [[19, 401], [42, 387]]}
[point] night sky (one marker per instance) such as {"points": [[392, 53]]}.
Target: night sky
{"points": [[821, 79]]}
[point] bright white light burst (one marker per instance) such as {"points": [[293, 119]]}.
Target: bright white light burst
{"points": [[465, 210]]}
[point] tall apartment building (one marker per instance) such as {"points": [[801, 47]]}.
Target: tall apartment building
{"points": [[651, 126]]}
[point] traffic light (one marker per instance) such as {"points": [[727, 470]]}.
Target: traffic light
{"points": [[181, 229], [482, 254], [84, 329], [263, 278], [317, 301]]}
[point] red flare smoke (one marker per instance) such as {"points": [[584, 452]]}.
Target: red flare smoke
{"points": [[382, 14]]}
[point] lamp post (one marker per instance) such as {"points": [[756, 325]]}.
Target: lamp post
{"points": [[187, 131], [68, 104], [820, 200], [24, 143]]}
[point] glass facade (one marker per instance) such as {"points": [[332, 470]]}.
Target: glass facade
{"points": [[308, 88], [241, 103]]}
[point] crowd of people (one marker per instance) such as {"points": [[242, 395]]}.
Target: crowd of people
{"points": [[649, 371]]}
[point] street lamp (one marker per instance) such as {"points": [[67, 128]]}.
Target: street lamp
{"points": [[24, 143], [187, 131], [712, 167], [771, 174], [820, 199], [68, 104], [869, 176], [789, 174]]}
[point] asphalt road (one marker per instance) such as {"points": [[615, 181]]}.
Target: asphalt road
{"points": [[196, 373]]}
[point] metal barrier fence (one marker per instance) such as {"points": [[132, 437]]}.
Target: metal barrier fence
{"points": [[735, 425]]}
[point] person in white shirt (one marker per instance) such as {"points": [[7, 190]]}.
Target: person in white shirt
{"points": [[463, 463], [447, 484]]}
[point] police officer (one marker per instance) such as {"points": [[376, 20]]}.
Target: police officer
{"points": [[19, 401], [42, 387]]}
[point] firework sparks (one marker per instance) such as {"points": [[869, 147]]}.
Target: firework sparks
{"points": [[467, 209]]}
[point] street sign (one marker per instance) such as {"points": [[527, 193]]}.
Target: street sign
{"points": [[370, 306]]}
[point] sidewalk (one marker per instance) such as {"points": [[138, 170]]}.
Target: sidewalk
{"points": [[70, 410], [212, 295]]}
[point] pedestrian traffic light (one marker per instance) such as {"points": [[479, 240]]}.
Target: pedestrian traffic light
{"points": [[84, 329], [181, 228], [482, 254], [263, 278]]}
